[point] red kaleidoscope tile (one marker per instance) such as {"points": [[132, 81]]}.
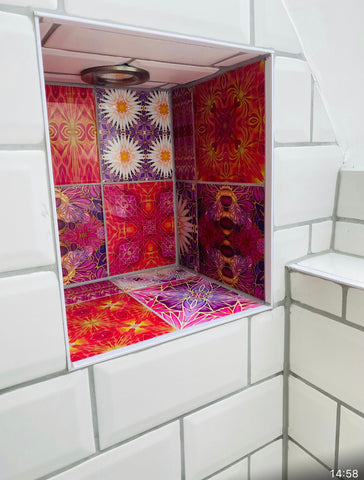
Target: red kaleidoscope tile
{"points": [[193, 301], [229, 115], [106, 324], [140, 226], [90, 291], [72, 128]]}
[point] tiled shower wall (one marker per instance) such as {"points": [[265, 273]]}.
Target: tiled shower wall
{"points": [[221, 387]]}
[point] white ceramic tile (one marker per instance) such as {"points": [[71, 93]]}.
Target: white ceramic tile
{"points": [[312, 420], [217, 20], [351, 197], [288, 244], [351, 440], [153, 456], [48, 426], [239, 471], [21, 120], [292, 100], [321, 128], [31, 325], [31, 3], [328, 354], [300, 193], [349, 238], [317, 292], [267, 463], [175, 378], [23, 189], [355, 306], [267, 343], [302, 466], [273, 27], [221, 433], [321, 236]]}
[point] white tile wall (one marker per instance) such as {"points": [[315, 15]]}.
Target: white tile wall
{"points": [[322, 130], [355, 306], [305, 183], [21, 119], [32, 339], [302, 466], [273, 27], [329, 355], [267, 343], [220, 434], [351, 198], [239, 471], [292, 100], [267, 463], [26, 216], [31, 3], [175, 378], [206, 18], [317, 292], [351, 440], [321, 236], [153, 456], [45, 427], [288, 245], [312, 420], [349, 238]]}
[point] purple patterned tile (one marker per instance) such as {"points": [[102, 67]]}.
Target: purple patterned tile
{"points": [[187, 224]]}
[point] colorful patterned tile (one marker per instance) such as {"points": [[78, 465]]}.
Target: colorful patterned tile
{"points": [[187, 224], [140, 226], [191, 302], [72, 128], [91, 291], [184, 145], [231, 236], [134, 134], [154, 277], [229, 126], [81, 233], [106, 324]]}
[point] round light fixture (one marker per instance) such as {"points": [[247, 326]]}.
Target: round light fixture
{"points": [[114, 75]]}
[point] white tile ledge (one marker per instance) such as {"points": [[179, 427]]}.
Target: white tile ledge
{"points": [[337, 267]]}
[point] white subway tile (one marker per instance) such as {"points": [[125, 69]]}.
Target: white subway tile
{"points": [[289, 244], [45, 427], [221, 433], [322, 130], [351, 440], [153, 456], [302, 466], [328, 354], [312, 420], [351, 197], [300, 194], [225, 21], [175, 378], [32, 341], [273, 27], [31, 3], [321, 236], [292, 100], [355, 306], [21, 119], [239, 471], [267, 343], [349, 238], [27, 240], [267, 463], [317, 292]]}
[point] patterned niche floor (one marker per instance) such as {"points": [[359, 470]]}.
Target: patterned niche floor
{"points": [[109, 315]]}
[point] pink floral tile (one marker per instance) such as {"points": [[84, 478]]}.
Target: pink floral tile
{"points": [[154, 277], [91, 291], [194, 301], [187, 224]]}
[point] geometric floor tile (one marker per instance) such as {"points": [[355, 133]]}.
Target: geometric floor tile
{"points": [[91, 291]]}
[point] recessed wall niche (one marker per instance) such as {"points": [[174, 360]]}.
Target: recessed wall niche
{"points": [[161, 191]]}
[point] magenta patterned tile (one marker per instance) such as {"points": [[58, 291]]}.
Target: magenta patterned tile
{"points": [[154, 277], [191, 302], [187, 224], [184, 145], [91, 291], [231, 235]]}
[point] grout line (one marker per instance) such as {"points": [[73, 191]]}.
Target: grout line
{"points": [[34, 381], [335, 207], [233, 184], [249, 460], [337, 436], [345, 290], [182, 446], [249, 362], [303, 144], [312, 106], [95, 420], [30, 270], [302, 224], [350, 220], [309, 453], [252, 24], [309, 239]]}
